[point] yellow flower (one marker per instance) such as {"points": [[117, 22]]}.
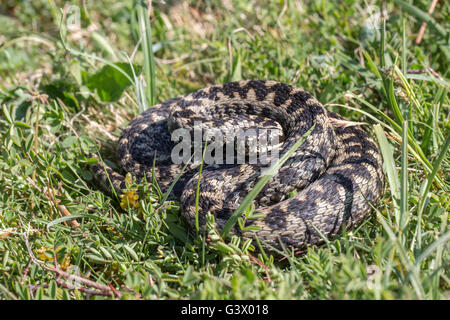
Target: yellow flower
{"points": [[44, 254], [47, 254], [65, 264], [129, 198]]}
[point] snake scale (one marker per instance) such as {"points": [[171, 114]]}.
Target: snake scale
{"points": [[330, 181]]}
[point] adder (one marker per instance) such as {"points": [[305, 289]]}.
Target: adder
{"points": [[331, 180]]}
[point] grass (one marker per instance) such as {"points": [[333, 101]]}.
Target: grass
{"points": [[66, 89]]}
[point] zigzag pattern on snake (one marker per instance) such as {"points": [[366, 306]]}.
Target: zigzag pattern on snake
{"points": [[335, 175]]}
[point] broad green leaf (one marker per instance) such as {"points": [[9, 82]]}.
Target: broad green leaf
{"points": [[109, 83]]}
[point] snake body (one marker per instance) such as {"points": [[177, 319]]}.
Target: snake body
{"points": [[330, 181]]}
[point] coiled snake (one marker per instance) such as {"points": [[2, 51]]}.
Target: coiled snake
{"points": [[328, 182]]}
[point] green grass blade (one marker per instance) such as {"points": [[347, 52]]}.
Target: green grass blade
{"points": [[389, 166], [72, 217], [404, 52], [383, 43], [404, 177], [147, 50], [432, 175], [389, 87]]}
